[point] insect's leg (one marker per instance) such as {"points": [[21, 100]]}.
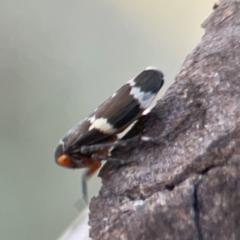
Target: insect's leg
{"points": [[111, 159], [84, 187], [118, 143], [97, 158], [93, 167], [100, 146]]}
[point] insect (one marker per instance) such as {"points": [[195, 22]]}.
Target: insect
{"points": [[89, 142]]}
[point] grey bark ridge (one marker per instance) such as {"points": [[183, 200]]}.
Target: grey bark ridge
{"points": [[188, 185]]}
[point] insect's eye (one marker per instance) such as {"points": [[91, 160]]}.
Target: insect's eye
{"points": [[64, 160]]}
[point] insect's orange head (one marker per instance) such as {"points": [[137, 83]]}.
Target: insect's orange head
{"points": [[62, 158]]}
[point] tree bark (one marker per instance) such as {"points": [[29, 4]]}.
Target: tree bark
{"points": [[188, 185]]}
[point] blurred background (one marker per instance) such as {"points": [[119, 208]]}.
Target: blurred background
{"points": [[58, 61]]}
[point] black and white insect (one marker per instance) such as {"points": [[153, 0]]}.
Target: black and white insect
{"points": [[90, 141]]}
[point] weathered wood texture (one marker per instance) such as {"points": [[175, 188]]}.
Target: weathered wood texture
{"points": [[187, 186]]}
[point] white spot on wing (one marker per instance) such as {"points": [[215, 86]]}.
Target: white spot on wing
{"points": [[147, 111], [61, 142], [144, 98], [102, 125], [92, 119], [113, 95], [131, 82], [151, 68]]}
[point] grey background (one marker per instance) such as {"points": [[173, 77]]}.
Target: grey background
{"points": [[58, 61]]}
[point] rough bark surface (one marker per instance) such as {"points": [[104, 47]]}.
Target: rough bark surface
{"points": [[188, 185]]}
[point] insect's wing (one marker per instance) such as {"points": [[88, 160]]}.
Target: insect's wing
{"points": [[128, 103], [121, 109]]}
